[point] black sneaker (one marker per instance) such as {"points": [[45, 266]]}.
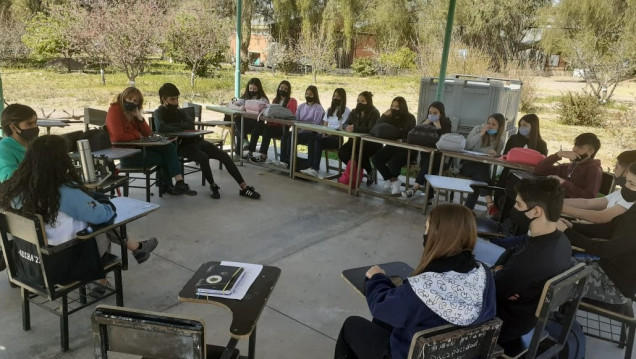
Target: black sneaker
{"points": [[250, 192], [370, 178], [98, 290], [258, 159], [214, 191], [142, 253], [182, 188]]}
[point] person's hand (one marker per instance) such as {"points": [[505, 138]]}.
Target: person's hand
{"points": [[387, 112], [349, 128], [482, 130], [374, 270], [570, 155], [497, 268], [493, 153], [563, 224], [427, 122], [513, 297], [561, 180]]}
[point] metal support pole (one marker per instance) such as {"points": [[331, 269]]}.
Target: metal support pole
{"points": [[1, 102], [237, 74], [447, 41]]}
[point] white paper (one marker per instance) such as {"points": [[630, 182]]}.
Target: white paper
{"points": [[251, 273], [475, 153]]}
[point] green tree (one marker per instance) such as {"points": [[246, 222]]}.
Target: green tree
{"points": [[339, 19], [198, 39], [316, 50], [49, 36], [392, 22], [598, 36]]}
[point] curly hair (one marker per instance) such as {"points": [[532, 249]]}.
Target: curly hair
{"points": [[35, 186]]}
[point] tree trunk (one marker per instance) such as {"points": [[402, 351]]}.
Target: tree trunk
{"points": [[103, 75], [192, 76]]}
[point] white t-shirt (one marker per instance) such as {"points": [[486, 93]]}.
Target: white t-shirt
{"points": [[65, 229], [615, 198], [332, 121]]}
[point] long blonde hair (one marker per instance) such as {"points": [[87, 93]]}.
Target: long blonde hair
{"points": [[129, 91], [451, 229]]}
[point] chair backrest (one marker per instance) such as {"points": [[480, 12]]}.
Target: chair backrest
{"points": [[608, 183], [565, 288], [191, 112], [449, 341], [94, 117], [23, 236], [197, 109], [137, 332]]}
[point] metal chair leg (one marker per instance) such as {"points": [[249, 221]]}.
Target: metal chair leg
{"points": [[64, 323]]}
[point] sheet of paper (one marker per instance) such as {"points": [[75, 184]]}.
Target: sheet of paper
{"points": [[475, 153], [251, 273]]}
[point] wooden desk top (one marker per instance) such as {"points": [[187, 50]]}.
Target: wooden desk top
{"points": [[52, 123], [146, 143], [223, 109], [189, 134], [214, 123], [113, 153], [280, 121], [245, 312], [401, 144], [329, 131], [356, 277], [452, 183], [497, 161], [128, 210]]}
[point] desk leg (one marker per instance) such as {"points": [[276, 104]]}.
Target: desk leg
{"points": [[252, 344], [408, 169], [123, 234], [240, 142], [427, 188], [441, 165], [294, 151], [359, 167], [232, 142], [229, 348]]}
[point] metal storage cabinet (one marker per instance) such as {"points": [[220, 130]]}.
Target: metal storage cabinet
{"points": [[469, 100]]}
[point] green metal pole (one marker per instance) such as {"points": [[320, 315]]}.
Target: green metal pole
{"points": [[237, 74], [447, 40], [1, 102]]}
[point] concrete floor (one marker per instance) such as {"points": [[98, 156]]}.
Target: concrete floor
{"points": [[311, 231]]}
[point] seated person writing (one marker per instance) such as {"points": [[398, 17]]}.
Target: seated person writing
{"points": [[168, 119], [427, 299], [56, 193], [604, 209], [612, 278], [521, 272], [581, 177]]}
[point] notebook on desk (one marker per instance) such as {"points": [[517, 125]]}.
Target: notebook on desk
{"points": [[218, 279]]}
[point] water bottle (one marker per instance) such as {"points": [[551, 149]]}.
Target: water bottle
{"points": [[86, 160]]}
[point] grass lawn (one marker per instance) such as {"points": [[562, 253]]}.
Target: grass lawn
{"points": [[52, 93]]}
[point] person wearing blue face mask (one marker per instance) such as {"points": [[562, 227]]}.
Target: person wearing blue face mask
{"points": [[489, 139], [528, 135]]}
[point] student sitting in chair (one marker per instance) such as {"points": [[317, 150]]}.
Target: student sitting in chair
{"points": [[430, 297], [604, 209], [521, 271], [612, 278], [46, 183], [581, 177], [168, 118], [19, 124]]}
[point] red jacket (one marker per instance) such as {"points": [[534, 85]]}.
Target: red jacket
{"points": [[582, 179], [122, 130]]}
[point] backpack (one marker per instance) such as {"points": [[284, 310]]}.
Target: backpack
{"points": [[451, 142], [524, 156], [349, 171], [423, 135], [386, 131], [254, 106], [275, 110], [574, 347], [98, 139]]}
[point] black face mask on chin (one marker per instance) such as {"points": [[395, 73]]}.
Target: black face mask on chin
{"points": [[628, 194]]}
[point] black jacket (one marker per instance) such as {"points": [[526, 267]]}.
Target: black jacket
{"points": [[615, 244], [518, 140], [526, 268], [166, 120], [362, 124]]}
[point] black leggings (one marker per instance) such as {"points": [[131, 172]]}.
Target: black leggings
{"points": [[360, 338], [202, 152]]}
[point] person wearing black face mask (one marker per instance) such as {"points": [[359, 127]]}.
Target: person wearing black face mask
{"points": [[581, 176], [522, 270], [168, 118], [389, 160], [335, 116], [361, 120], [604, 209], [19, 124], [253, 91]]}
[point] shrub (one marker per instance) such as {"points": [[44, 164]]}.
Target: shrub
{"points": [[579, 109], [402, 59], [528, 94], [363, 67]]}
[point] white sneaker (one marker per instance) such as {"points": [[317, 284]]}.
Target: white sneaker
{"points": [[409, 193], [310, 172], [396, 187], [387, 185]]}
